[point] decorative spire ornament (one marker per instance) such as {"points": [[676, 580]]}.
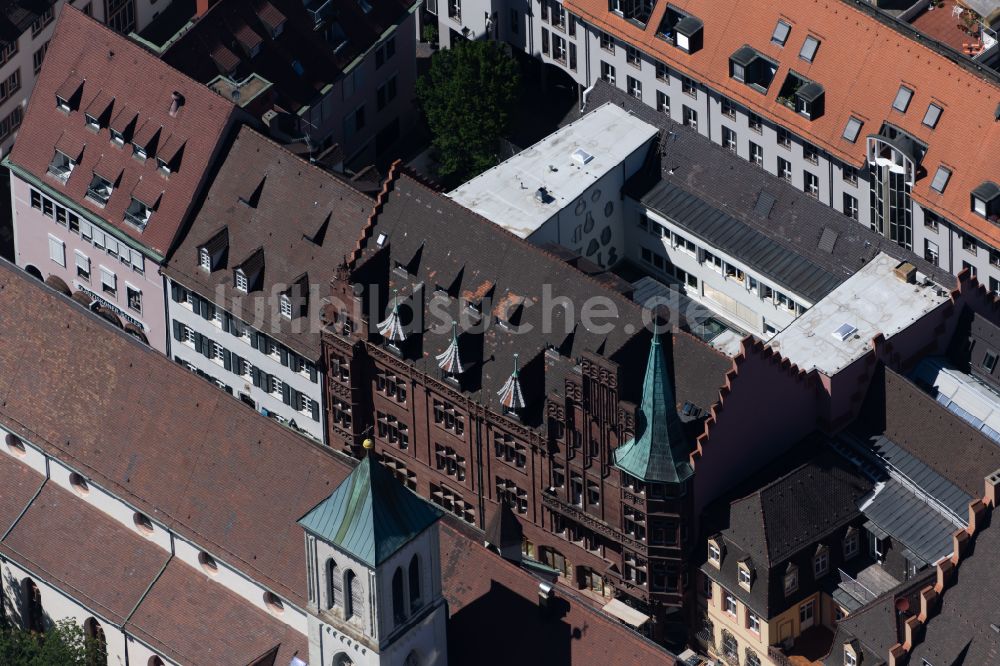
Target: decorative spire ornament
{"points": [[392, 328], [510, 395], [449, 360]]}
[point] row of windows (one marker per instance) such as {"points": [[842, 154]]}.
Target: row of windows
{"points": [[453, 503], [717, 264], [244, 332], [109, 280], [560, 52], [231, 362], [88, 232]]}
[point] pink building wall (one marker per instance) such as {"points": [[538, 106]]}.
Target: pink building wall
{"points": [[32, 232]]}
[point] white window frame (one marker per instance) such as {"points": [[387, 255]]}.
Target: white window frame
{"points": [[82, 264], [105, 273], [57, 250], [729, 604], [242, 282], [285, 303], [128, 301]]}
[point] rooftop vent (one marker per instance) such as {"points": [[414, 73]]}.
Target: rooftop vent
{"points": [[845, 331], [176, 102], [906, 272], [581, 156], [542, 196]]}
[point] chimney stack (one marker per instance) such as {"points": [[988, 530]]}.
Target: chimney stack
{"points": [[992, 487], [546, 595], [176, 102]]}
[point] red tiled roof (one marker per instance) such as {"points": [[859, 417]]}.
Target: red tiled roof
{"points": [[80, 549], [484, 590], [234, 482], [194, 620], [19, 483], [115, 71], [861, 63]]}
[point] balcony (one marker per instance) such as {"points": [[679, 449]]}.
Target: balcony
{"points": [[808, 649], [580, 516]]}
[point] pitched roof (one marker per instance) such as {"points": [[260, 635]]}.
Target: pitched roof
{"points": [[370, 515], [861, 63], [464, 259], [658, 452], [109, 68], [754, 214], [301, 218], [245, 479], [300, 61]]}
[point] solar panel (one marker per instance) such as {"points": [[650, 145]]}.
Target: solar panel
{"points": [[765, 202]]}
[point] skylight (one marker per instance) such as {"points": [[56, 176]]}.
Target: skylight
{"points": [[845, 331], [852, 129], [781, 31], [932, 116], [809, 47], [902, 101], [941, 179]]}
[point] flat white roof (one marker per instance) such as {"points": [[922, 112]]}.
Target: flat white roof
{"points": [[565, 164], [839, 329]]}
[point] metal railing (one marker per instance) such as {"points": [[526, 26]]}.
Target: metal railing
{"points": [[854, 587]]}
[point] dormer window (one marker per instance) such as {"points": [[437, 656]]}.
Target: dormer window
{"points": [[204, 259], [100, 189], [821, 562], [92, 122], [62, 104], [745, 574], [851, 543], [138, 213], [986, 200], [681, 29], [61, 166], [748, 66], [277, 30], [802, 96], [162, 166], [791, 579], [139, 152], [117, 138], [715, 551], [241, 280], [286, 306], [634, 10]]}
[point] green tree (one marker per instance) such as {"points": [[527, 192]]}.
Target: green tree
{"points": [[63, 644], [467, 96]]}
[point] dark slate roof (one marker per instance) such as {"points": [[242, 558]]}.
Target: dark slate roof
{"points": [[961, 634], [440, 256], [723, 231], [728, 183], [780, 515], [918, 473], [16, 16], [370, 515], [267, 205], [503, 528], [659, 450], [907, 518], [300, 61]]}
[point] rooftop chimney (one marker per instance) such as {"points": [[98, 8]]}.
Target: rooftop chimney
{"points": [[176, 102], [906, 272], [546, 595]]}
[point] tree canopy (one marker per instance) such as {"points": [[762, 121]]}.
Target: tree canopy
{"points": [[63, 644], [467, 97]]}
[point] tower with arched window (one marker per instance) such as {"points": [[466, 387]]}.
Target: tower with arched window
{"points": [[374, 575]]}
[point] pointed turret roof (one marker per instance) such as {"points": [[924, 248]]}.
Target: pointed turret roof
{"points": [[370, 515], [449, 360], [391, 328], [659, 450], [504, 529], [510, 394]]}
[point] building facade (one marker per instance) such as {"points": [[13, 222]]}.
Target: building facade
{"points": [[873, 145], [109, 171]]}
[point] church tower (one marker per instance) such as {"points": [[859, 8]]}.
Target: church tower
{"points": [[374, 573]]}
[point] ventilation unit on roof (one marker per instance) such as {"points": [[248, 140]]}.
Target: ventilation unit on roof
{"points": [[845, 331], [542, 196], [581, 156]]}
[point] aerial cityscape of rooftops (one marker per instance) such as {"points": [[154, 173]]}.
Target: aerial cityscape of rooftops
{"points": [[562, 332]]}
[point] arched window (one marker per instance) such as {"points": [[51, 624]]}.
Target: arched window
{"points": [[96, 647], [334, 585], [730, 646], [415, 600], [398, 599], [34, 617], [341, 659], [353, 601], [154, 661]]}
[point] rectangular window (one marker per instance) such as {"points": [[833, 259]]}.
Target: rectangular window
{"points": [[385, 93], [902, 101], [850, 206], [809, 47], [42, 21], [969, 244], [558, 49], [545, 41], [728, 108], [572, 56], [109, 282], [634, 87], [780, 34], [663, 103], [755, 123], [785, 169], [134, 298], [729, 139], [690, 118], [662, 71], [730, 604], [756, 154], [849, 174], [941, 177], [633, 57], [38, 56], [852, 129], [753, 622], [688, 87], [931, 251], [82, 266], [607, 42], [811, 184], [607, 73], [10, 85], [810, 153], [57, 251], [932, 115], [784, 138]]}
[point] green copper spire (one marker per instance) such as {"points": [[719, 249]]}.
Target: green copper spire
{"points": [[659, 451]]}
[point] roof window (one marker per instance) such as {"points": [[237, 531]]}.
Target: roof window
{"points": [[941, 179], [100, 189], [853, 129], [748, 66], [634, 10], [138, 213], [681, 29], [902, 101], [932, 116], [780, 34], [61, 166], [809, 48]]}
